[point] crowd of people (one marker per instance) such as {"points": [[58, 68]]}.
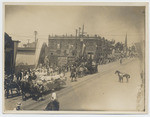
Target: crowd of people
{"points": [[14, 81], [79, 68]]}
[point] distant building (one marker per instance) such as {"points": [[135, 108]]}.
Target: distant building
{"points": [[30, 45], [25, 56], [30, 57], [125, 45]]}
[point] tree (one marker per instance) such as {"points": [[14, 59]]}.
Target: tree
{"points": [[119, 46]]}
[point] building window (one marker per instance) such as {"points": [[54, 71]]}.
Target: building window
{"points": [[58, 46]]}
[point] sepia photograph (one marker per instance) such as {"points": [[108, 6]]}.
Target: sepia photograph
{"points": [[67, 58]]}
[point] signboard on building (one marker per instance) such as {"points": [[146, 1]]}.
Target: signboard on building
{"points": [[71, 60], [62, 60], [81, 39]]}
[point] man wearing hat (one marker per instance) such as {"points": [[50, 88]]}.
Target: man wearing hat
{"points": [[53, 104]]}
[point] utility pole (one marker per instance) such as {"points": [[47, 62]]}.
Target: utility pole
{"points": [[76, 33], [82, 30], [76, 37], [126, 44], [76, 41], [35, 32], [79, 32]]}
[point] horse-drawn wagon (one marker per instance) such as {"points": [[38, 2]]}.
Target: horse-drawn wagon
{"points": [[42, 85], [92, 67], [35, 88]]}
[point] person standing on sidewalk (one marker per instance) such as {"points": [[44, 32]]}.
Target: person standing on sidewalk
{"points": [[53, 105], [73, 73]]}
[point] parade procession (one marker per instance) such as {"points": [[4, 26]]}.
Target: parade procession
{"points": [[48, 75], [75, 61]]}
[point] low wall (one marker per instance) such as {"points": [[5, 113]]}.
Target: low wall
{"points": [[25, 59]]}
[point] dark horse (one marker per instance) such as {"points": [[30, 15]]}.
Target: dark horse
{"points": [[11, 86], [122, 75]]}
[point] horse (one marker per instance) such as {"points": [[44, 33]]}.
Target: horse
{"points": [[127, 76], [122, 75], [11, 84], [25, 89]]}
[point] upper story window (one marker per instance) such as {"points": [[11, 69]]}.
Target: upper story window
{"points": [[58, 46]]}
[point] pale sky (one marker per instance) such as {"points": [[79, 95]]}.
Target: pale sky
{"points": [[109, 22]]}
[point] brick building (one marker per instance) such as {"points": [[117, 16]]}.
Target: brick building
{"points": [[73, 46]]}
